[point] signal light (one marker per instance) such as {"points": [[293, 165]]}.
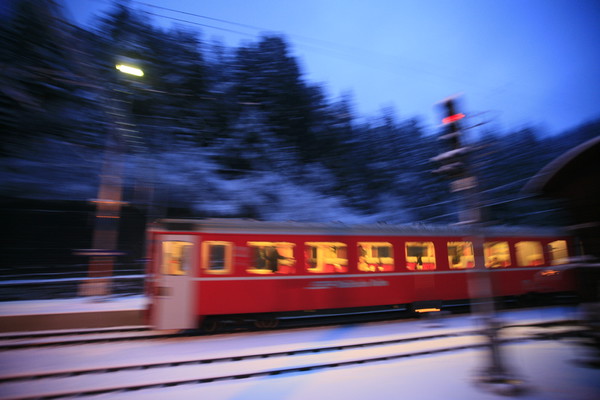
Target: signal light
{"points": [[452, 118]]}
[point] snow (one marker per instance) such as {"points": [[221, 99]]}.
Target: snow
{"points": [[451, 154], [56, 280], [205, 371], [74, 305], [546, 366], [186, 176]]}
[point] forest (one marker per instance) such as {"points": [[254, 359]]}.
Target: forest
{"points": [[217, 131]]}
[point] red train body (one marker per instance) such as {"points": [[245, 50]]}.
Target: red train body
{"points": [[218, 267]]}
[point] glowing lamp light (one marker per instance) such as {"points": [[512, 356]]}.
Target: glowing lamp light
{"points": [[453, 118], [128, 69]]}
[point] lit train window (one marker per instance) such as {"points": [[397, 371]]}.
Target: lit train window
{"points": [[326, 257], [420, 256], [375, 256], [460, 255], [176, 257], [216, 257], [558, 252], [497, 254], [271, 257], [529, 254]]}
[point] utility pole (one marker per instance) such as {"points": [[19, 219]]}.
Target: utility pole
{"points": [[104, 252], [108, 210], [454, 165]]}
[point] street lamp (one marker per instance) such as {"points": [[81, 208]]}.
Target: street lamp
{"points": [[109, 203], [129, 69]]}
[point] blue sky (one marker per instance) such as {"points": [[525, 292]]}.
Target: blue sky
{"points": [[516, 62]]}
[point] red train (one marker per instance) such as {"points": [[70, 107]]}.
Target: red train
{"points": [[202, 270]]}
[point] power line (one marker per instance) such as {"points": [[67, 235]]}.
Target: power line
{"points": [[197, 23], [202, 16], [343, 52], [330, 49]]}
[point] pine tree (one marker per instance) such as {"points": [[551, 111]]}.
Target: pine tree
{"points": [[40, 89]]}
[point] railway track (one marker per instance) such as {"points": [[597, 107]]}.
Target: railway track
{"points": [[24, 340], [84, 336], [138, 376]]}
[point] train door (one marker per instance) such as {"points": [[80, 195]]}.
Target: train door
{"points": [[174, 297], [421, 258]]}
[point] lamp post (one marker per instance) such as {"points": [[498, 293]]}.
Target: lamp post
{"points": [[455, 165], [109, 202]]}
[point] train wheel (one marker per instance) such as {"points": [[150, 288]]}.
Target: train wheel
{"points": [[210, 326], [272, 323], [267, 323], [530, 299]]}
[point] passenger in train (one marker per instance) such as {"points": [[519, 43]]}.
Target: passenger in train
{"points": [[362, 262], [260, 258], [419, 262], [272, 258], [494, 262]]}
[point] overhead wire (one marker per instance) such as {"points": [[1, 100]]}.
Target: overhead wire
{"points": [[197, 23], [349, 53], [332, 49], [338, 50], [201, 16]]}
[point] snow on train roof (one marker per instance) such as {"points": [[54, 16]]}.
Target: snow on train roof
{"points": [[226, 225]]}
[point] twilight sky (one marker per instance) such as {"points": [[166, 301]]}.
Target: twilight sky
{"points": [[516, 62]]}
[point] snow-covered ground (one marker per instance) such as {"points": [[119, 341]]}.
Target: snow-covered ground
{"points": [[72, 305], [549, 368]]}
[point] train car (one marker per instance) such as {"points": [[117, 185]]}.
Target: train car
{"points": [[201, 271]]}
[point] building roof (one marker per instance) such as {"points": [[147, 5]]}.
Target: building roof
{"points": [[579, 167]]}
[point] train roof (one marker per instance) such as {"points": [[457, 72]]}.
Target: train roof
{"points": [[234, 225]]}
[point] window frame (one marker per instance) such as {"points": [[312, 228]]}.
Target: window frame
{"points": [[430, 245], [492, 243], [186, 258], [562, 260], [228, 257], [454, 243], [523, 257], [252, 269], [337, 269], [371, 268]]}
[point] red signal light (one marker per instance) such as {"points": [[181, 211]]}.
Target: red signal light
{"points": [[453, 118]]}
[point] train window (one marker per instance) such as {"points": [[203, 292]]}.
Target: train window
{"points": [[529, 254], [420, 255], [270, 257], [216, 257], [326, 257], [375, 256], [558, 252], [460, 255], [497, 254], [176, 257]]}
